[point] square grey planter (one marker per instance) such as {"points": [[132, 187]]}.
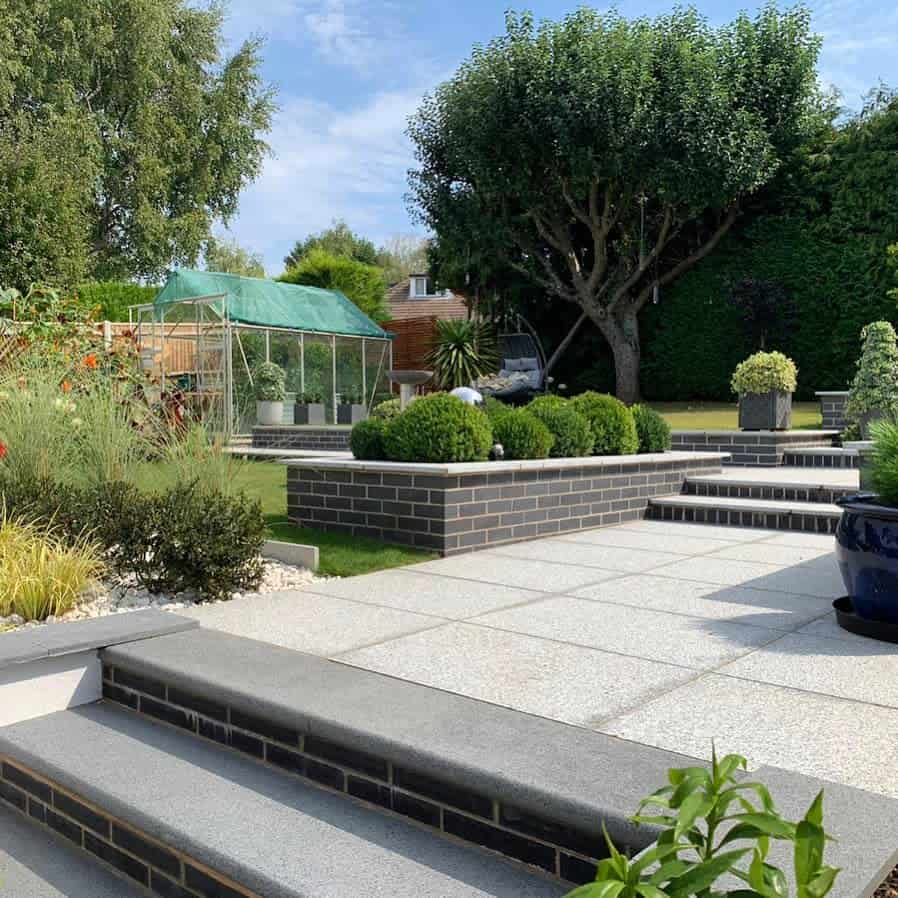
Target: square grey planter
{"points": [[765, 411], [308, 413], [351, 413]]}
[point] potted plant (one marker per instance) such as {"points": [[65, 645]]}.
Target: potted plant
{"points": [[866, 545], [268, 380], [352, 407], [765, 383], [309, 407], [874, 390]]}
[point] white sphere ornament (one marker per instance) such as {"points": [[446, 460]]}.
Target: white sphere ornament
{"points": [[468, 395]]}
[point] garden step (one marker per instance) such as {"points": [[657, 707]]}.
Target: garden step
{"points": [[810, 517], [821, 457], [38, 863], [780, 490], [186, 818]]}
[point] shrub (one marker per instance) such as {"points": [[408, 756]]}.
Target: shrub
{"points": [[572, 433], [387, 410], [653, 430], [462, 352], [884, 467], [611, 422], [875, 386], [311, 396], [110, 300], [367, 439], [763, 372], [522, 435], [493, 407], [41, 574], [439, 428], [269, 382]]}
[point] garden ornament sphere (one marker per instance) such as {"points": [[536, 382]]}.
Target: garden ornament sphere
{"points": [[468, 395], [497, 453]]}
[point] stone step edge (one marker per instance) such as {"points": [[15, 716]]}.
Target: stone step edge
{"points": [[126, 850], [820, 450], [378, 783], [757, 506], [802, 518], [791, 492]]}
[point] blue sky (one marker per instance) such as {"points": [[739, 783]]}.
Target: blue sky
{"points": [[350, 72]]}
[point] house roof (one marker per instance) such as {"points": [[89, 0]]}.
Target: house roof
{"points": [[402, 306]]}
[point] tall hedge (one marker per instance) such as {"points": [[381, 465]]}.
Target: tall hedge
{"points": [[111, 299]]}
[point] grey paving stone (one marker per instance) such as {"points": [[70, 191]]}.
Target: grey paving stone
{"points": [[769, 553], [702, 531], [784, 476], [563, 682], [827, 626], [831, 738], [693, 642], [412, 590], [609, 558], [804, 540], [863, 671], [676, 543], [807, 578], [306, 622], [36, 864], [758, 607], [526, 573], [273, 834]]}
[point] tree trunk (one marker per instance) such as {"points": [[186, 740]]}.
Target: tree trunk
{"points": [[622, 333]]}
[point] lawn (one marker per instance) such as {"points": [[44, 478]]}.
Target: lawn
{"points": [[725, 416]]}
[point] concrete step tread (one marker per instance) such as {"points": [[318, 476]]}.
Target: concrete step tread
{"points": [[758, 505], [733, 479], [820, 450], [271, 833], [37, 864]]}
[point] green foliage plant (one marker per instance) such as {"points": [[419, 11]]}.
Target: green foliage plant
{"points": [[493, 407], [439, 428], [311, 396], [337, 240], [765, 372], [653, 430], [716, 832], [269, 382], [611, 422], [884, 466], [875, 386], [387, 410], [572, 433], [110, 300], [522, 435], [366, 440], [462, 351]]}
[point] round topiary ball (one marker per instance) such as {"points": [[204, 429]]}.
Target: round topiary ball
{"points": [[387, 410], [439, 428], [652, 429], [493, 407], [573, 435], [522, 435], [611, 422], [366, 441]]}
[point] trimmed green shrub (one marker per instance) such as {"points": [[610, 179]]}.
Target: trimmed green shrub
{"points": [[366, 441], [652, 429], [764, 372], [875, 386], [571, 430], [884, 469], [439, 428], [611, 422], [522, 435], [269, 382], [387, 410], [493, 407], [110, 300]]}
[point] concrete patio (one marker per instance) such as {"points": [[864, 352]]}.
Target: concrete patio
{"points": [[669, 635]]}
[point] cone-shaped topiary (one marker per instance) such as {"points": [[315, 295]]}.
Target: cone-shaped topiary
{"points": [[653, 430], [522, 435], [611, 422], [439, 428], [573, 435], [875, 386]]}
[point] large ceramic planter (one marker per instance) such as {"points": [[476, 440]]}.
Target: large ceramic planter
{"points": [[308, 413], [765, 411], [867, 552], [269, 413], [351, 413]]}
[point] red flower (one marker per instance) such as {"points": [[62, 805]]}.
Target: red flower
{"points": [[2, 450], [66, 387], [90, 361]]}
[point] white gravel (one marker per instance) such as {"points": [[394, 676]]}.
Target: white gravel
{"points": [[103, 598]]}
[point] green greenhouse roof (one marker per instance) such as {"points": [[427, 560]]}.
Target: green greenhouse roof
{"points": [[268, 303]]}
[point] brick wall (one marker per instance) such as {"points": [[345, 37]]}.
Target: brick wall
{"points": [[301, 437], [481, 505], [751, 448], [832, 407]]}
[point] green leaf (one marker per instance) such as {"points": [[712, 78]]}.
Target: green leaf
{"points": [[670, 870], [770, 824], [694, 806], [606, 889], [809, 842], [820, 885], [815, 811], [654, 854], [703, 875], [647, 890]]}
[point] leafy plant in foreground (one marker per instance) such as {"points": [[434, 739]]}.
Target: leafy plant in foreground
{"points": [[715, 827], [462, 352]]}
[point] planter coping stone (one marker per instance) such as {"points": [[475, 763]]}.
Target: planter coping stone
{"points": [[859, 446], [832, 392], [302, 427], [810, 434]]}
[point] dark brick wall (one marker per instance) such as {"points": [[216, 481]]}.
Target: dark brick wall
{"points": [[301, 437], [832, 407], [465, 512], [749, 448]]}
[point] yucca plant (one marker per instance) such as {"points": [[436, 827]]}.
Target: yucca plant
{"points": [[462, 352]]}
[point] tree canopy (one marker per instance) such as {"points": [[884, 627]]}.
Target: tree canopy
{"points": [[230, 257], [125, 133], [338, 240], [603, 157]]}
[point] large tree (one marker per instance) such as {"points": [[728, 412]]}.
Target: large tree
{"points": [[167, 130], [229, 256], [338, 240], [603, 157]]}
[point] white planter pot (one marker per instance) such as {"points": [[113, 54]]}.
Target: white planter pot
{"points": [[269, 414]]}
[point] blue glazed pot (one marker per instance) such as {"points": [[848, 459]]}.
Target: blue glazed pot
{"points": [[867, 552]]}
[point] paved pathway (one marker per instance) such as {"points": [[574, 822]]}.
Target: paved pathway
{"points": [[664, 633]]}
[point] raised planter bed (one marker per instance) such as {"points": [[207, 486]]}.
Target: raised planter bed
{"points": [[332, 437], [832, 408], [754, 448], [456, 508]]}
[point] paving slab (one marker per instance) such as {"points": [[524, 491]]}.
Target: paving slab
{"points": [[703, 531], [539, 676], [828, 626], [802, 540], [758, 607], [412, 590], [306, 622], [676, 543], [786, 476], [609, 558], [693, 642], [768, 553], [864, 672], [526, 573], [844, 741]]}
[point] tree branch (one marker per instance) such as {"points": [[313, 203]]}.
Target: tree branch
{"points": [[664, 236]]}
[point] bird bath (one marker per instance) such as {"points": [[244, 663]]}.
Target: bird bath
{"points": [[407, 381]]}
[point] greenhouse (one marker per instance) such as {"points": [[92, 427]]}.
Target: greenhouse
{"points": [[205, 334]]}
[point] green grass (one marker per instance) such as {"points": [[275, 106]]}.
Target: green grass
{"points": [[725, 416]]}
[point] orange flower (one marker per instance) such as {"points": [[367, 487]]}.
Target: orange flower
{"points": [[2, 450], [66, 387], [90, 361]]}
